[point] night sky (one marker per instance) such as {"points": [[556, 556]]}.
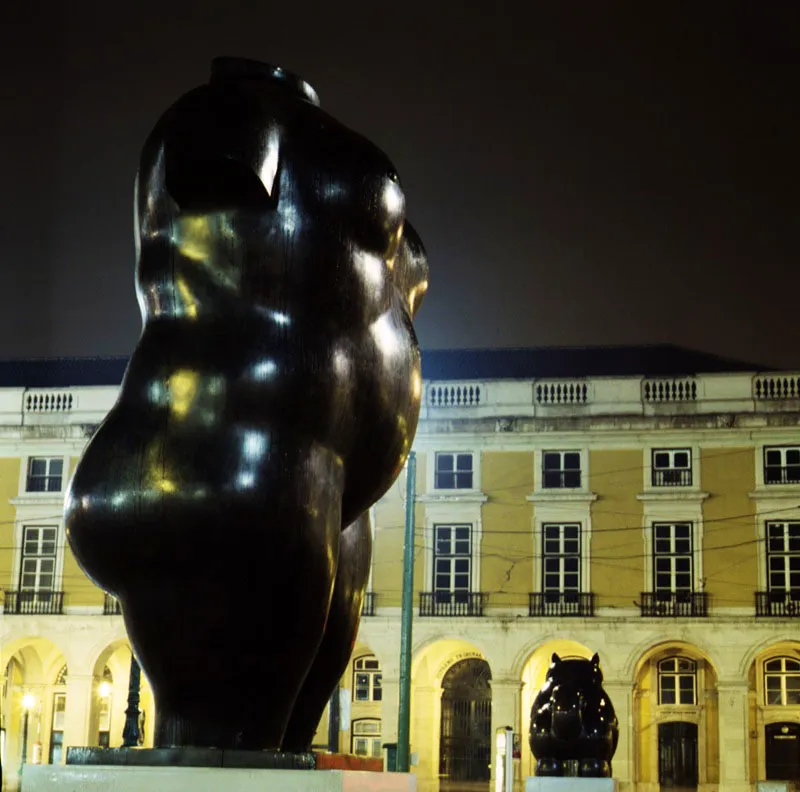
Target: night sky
{"points": [[581, 172]]}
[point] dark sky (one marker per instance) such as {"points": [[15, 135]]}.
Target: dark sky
{"points": [[581, 172]]}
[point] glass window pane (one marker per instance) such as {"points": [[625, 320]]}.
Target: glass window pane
{"points": [[464, 462], [551, 461], [681, 459], [667, 696], [445, 481], [444, 463], [572, 461]]}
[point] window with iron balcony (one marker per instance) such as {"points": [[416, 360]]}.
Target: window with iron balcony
{"points": [[782, 465], [782, 597], [561, 470], [671, 467]]}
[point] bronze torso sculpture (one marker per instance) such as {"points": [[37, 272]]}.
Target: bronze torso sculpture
{"points": [[572, 718], [271, 400]]}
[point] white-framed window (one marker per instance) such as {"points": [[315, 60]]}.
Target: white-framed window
{"points": [[44, 474], [561, 558], [365, 737], [677, 681], [561, 470], [671, 467], [454, 470], [672, 558], [367, 679], [783, 557], [782, 682], [39, 554], [57, 728], [782, 465], [452, 563]]}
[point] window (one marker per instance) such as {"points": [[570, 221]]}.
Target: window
{"points": [[38, 558], [672, 558], [561, 558], [677, 681], [366, 679], [104, 691], [672, 467], [782, 681], [453, 471], [366, 737], [782, 465], [783, 558], [452, 563], [561, 469], [44, 474], [57, 730]]}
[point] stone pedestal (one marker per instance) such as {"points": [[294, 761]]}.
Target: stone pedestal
{"points": [[571, 784], [77, 778]]}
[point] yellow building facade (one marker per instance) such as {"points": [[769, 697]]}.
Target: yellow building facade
{"points": [[565, 503]]}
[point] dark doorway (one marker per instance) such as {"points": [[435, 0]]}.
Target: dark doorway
{"points": [[465, 748], [677, 755], [783, 751]]}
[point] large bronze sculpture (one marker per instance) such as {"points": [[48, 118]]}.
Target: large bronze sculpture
{"points": [[272, 398], [572, 719]]}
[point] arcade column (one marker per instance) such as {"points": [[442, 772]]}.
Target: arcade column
{"points": [[390, 706], [621, 695], [733, 736], [425, 728], [78, 709], [506, 703]]}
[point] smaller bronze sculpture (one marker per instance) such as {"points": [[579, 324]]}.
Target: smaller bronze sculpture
{"points": [[572, 718]]}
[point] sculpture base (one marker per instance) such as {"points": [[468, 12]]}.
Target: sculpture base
{"points": [[570, 784], [87, 778], [189, 757]]}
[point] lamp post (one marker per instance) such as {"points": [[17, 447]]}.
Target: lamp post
{"points": [[130, 732], [28, 703]]}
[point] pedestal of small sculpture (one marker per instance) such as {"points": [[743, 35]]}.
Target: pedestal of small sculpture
{"points": [[570, 784], [71, 778]]}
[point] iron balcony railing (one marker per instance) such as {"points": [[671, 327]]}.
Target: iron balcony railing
{"points": [[787, 474], [785, 604], [111, 606], [674, 604], [368, 607], [457, 603], [40, 603], [561, 603], [672, 478]]}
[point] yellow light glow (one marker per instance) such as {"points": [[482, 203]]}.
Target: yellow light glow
{"points": [[194, 238], [28, 701], [189, 301], [182, 387], [104, 690]]}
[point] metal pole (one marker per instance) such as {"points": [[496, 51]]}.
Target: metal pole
{"points": [[25, 736], [404, 710], [334, 719], [130, 732]]}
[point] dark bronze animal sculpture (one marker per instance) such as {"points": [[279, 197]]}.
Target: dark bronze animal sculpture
{"points": [[572, 718], [272, 398]]}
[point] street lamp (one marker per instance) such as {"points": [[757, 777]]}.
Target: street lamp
{"points": [[28, 703]]}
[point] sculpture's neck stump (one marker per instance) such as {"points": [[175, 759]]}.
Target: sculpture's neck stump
{"points": [[226, 69]]}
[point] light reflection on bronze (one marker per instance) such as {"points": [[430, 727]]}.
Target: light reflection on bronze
{"points": [[271, 400]]}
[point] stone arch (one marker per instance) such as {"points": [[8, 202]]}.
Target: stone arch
{"points": [[433, 658], [689, 714], [645, 648], [763, 648]]}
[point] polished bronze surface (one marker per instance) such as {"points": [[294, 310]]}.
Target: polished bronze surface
{"points": [[271, 400], [572, 719]]}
